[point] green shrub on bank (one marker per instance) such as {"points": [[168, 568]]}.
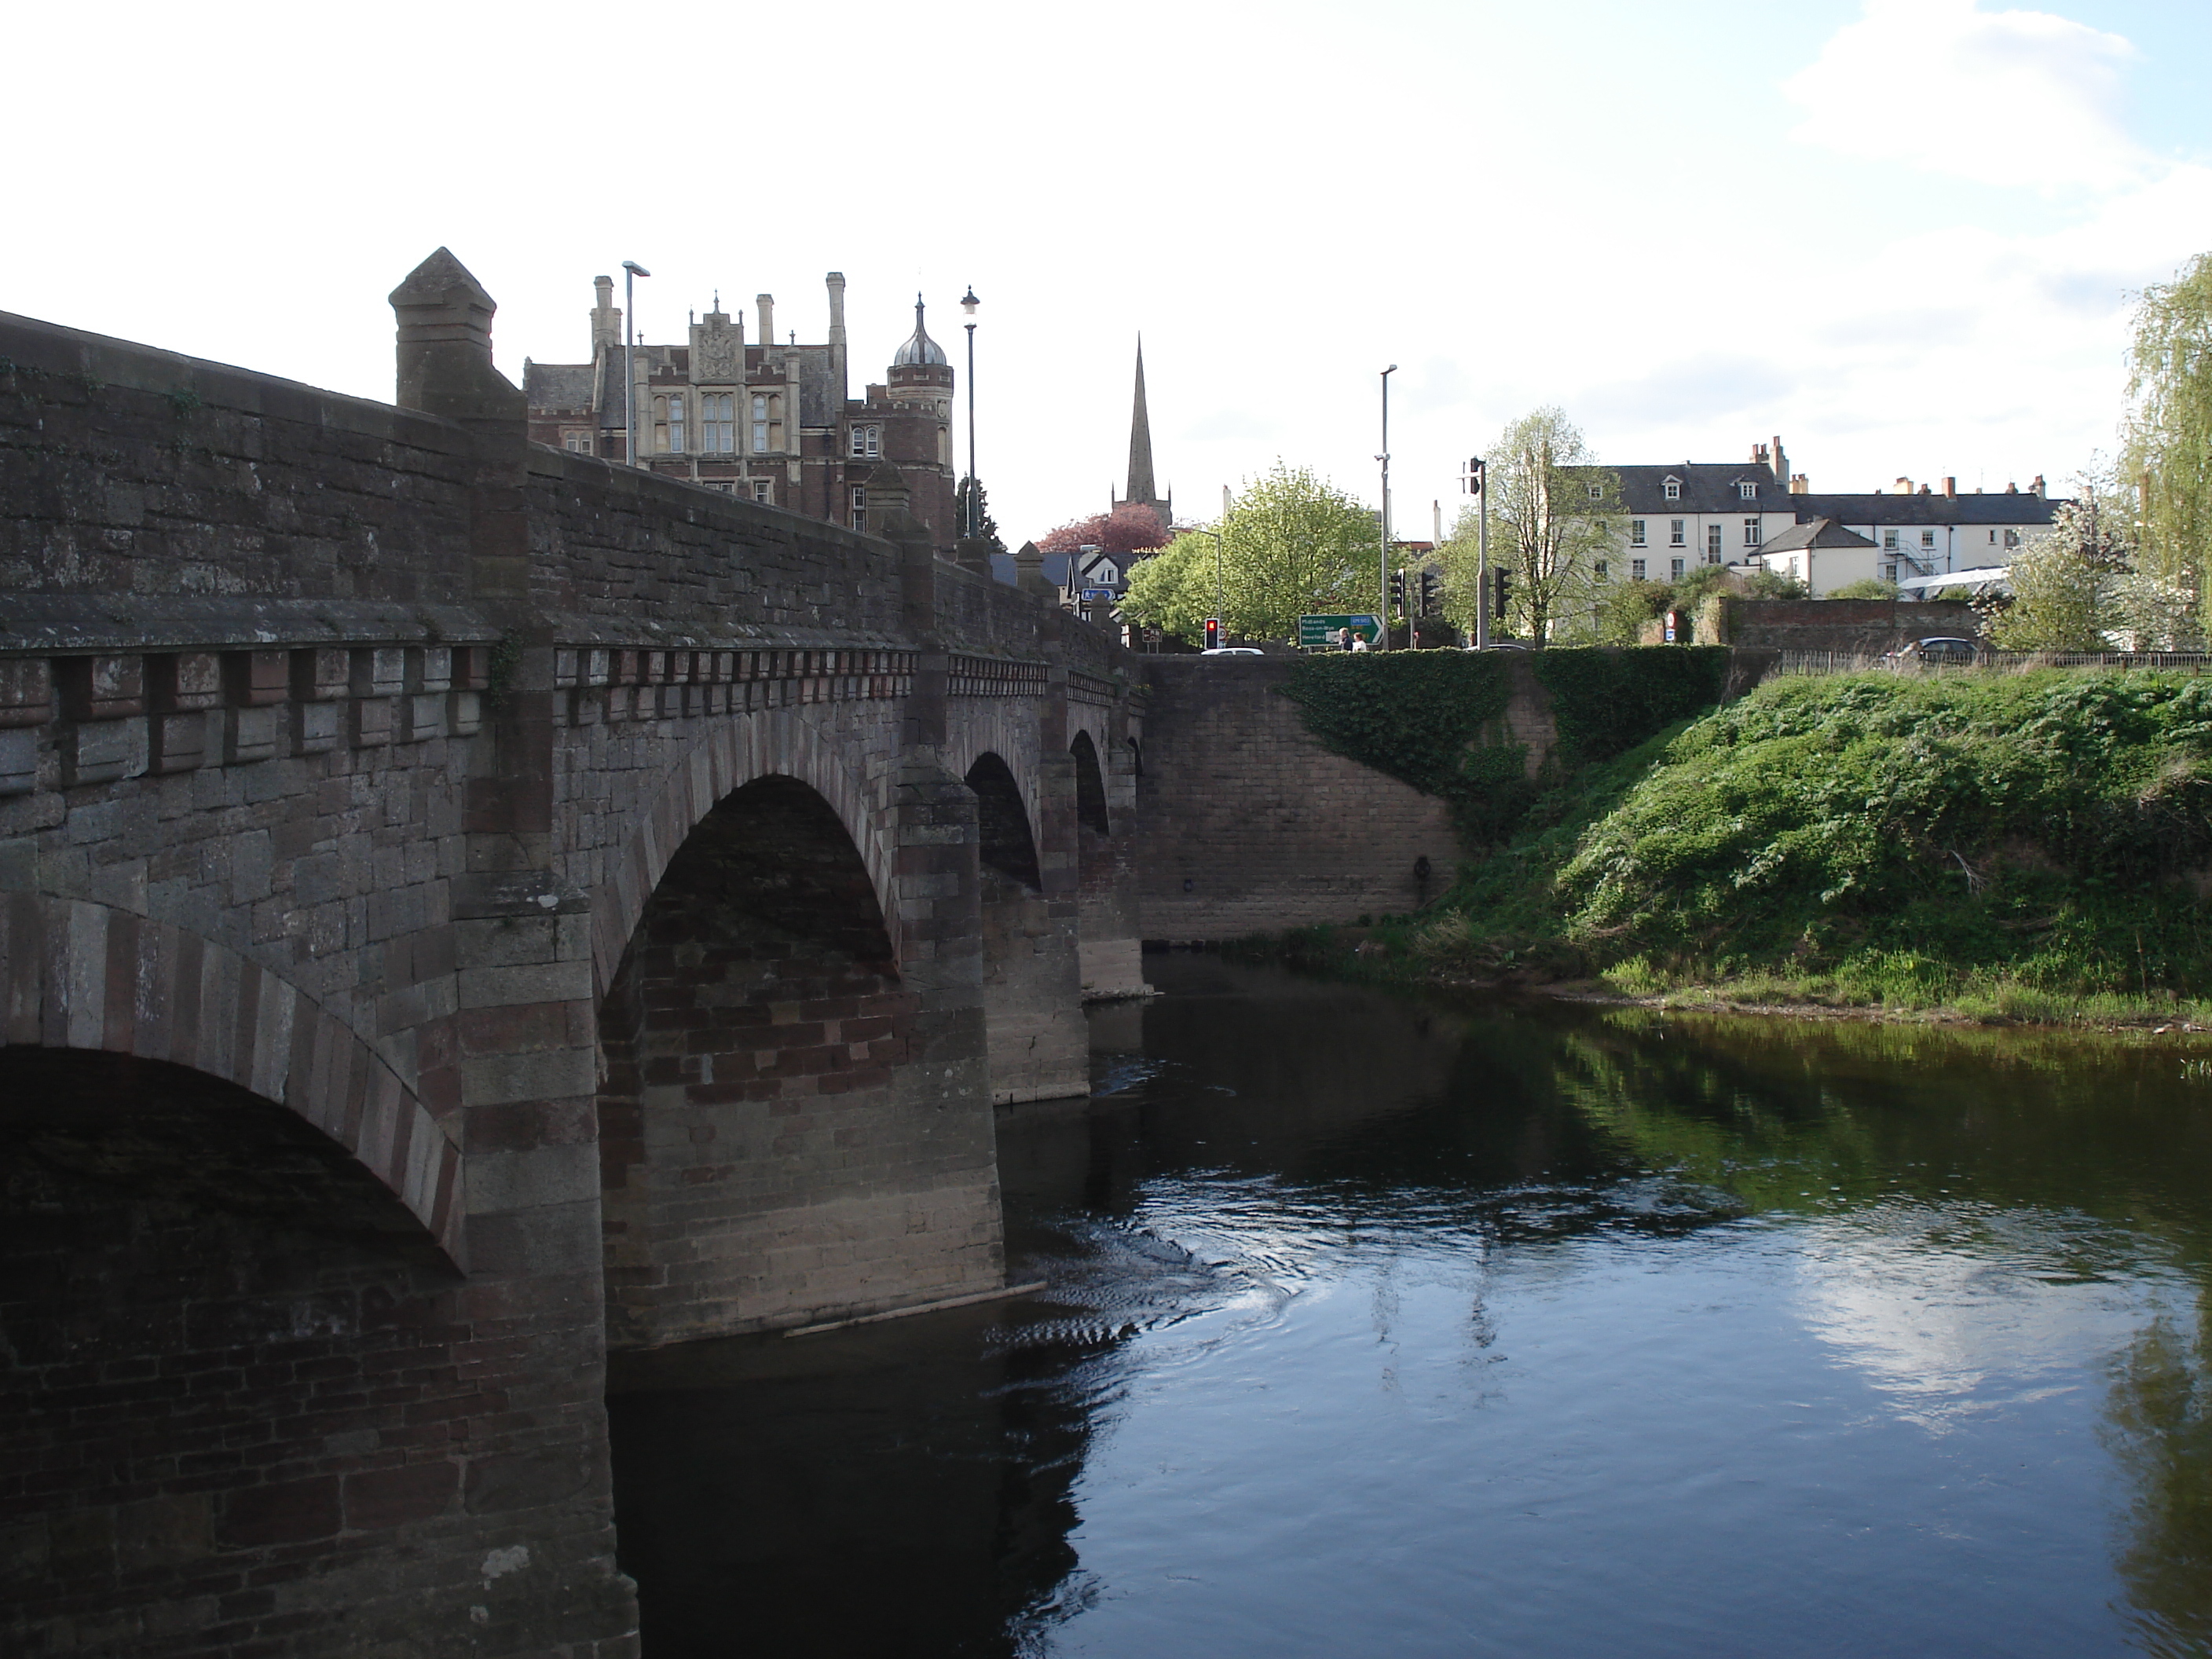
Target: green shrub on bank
{"points": [[2008, 844], [1420, 716]]}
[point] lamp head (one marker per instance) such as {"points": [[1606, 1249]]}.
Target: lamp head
{"points": [[969, 302], [635, 269]]}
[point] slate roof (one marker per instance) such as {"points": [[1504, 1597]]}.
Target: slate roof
{"points": [[558, 386], [1818, 534], [1056, 569], [1931, 509], [1713, 488], [1706, 487]]}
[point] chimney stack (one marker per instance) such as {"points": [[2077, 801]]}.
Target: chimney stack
{"points": [[1905, 486], [2036, 489], [606, 316], [766, 302], [1800, 484], [1781, 461], [1951, 488], [835, 282]]}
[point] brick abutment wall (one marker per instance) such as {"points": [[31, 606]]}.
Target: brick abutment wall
{"points": [[352, 762], [1247, 824]]}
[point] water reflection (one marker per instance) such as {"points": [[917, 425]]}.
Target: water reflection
{"points": [[1383, 1326]]}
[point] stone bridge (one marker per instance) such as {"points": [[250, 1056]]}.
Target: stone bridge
{"points": [[463, 906]]}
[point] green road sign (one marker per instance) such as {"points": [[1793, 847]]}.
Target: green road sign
{"points": [[1325, 633]]}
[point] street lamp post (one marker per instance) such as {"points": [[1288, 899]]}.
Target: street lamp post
{"points": [[974, 518], [631, 271], [1382, 609]]}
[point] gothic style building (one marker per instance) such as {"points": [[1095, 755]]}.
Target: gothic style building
{"points": [[771, 422]]}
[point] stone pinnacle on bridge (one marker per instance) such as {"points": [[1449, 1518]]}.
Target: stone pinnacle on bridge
{"points": [[445, 360]]}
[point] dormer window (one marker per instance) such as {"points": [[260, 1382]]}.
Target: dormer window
{"points": [[1747, 490], [1674, 489], [1596, 493]]}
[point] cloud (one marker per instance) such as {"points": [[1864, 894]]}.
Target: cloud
{"points": [[1998, 97], [1703, 389]]}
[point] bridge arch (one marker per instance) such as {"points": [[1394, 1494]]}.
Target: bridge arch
{"points": [[1008, 735], [1006, 839], [735, 750], [1090, 812], [769, 1146], [221, 1206], [91, 977]]}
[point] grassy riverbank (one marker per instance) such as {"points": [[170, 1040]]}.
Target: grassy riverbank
{"points": [[2030, 846]]}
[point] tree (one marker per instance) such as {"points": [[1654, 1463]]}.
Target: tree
{"points": [[1624, 607], [1173, 590], [1290, 545], [2059, 599], [987, 528], [2084, 584], [1764, 584], [1866, 587], [1130, 527], [2169, 428], [1547, 531]]}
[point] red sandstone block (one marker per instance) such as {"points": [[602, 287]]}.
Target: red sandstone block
{"points": [[281, 1511], [521, 1126], [731, 1092], [381, 1498]]}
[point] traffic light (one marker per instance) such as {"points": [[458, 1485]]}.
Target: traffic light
{"points": [[1398, 589], [1212, 632], [1432, 591], [1504, 586], [1470, 477]]}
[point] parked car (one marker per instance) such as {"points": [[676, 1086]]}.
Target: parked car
{"points": [[1232, 651], [1501, 645], [1938, 649]]}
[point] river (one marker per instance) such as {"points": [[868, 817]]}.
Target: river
{"points": [[1379, 1325]]}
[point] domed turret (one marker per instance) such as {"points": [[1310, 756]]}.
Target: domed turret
{"points": [[921, 349]]}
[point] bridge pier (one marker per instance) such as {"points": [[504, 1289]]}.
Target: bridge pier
{"points": [[1106, 840], [794, 1125]]}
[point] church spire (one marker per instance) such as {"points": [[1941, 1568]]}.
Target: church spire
{"points": [[1140, 442]]}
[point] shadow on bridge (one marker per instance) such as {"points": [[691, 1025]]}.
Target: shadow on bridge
{"points": [[767, 1147]]}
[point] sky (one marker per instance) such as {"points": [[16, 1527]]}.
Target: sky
{"points": [[1903, 234]]}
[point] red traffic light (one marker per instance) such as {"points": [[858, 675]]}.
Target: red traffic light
{"points": [[1212, 632]]}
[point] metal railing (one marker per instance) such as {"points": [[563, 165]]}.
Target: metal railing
{"points": [[1860, 662]]}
